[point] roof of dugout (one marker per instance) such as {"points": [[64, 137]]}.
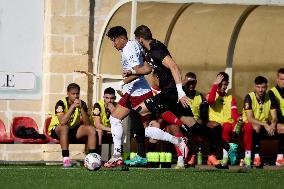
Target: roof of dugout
{"points": [[204, 38]]}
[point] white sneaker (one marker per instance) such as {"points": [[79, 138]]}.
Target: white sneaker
{"points": [[180, 163]]}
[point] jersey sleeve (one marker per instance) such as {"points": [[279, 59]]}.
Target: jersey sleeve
{"points": [[59, 107], [247, 103], [96, 109], [272, 97]]}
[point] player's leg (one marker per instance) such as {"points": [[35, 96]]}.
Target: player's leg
{"points": [[280, 131], [89, 132], [247, 134], [116, 118], [226, 136], [100, 134], [62, 133], [176, 131], [256, 144]]}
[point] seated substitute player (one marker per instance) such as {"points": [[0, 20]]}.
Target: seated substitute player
{"points": [[278, 91], [172, 97], [66, 126], [260, 114], [199, 107], [101, 113], [137, 90], [223, 112]]}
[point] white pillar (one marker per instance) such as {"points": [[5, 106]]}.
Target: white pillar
{"points": [[133, 18]]}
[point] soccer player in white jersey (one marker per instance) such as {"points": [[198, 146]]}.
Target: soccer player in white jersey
{"points": [[136, 92]]}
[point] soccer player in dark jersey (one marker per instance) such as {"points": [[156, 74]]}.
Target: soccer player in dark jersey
{"points": [[260, 114], [172, 97], [278, 91]]}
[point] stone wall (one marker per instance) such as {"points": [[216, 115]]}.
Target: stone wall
{"points": [[67, 41]]}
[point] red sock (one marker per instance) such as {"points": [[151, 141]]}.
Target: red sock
{"points": [[177, 150], [247, 129], [171, 118]]}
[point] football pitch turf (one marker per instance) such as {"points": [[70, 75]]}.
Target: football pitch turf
{"points": [[36, 177]]}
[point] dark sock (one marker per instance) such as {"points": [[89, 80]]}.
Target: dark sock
{"points": [[141, 149], [139, 130], [93, 151], [99, 149], [217, 139], [65, 153], [151, 147], [280, 143], [256, 141]]}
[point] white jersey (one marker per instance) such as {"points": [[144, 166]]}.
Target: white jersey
{"points": [[131, 55]]}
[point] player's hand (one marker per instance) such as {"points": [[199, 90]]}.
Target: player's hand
{"points": [[270, 130], [126, 73], [184, 101], [111, 107], [219, 79], [77, 103]]}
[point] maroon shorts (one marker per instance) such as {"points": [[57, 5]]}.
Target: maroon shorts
{"points": [[130, 102]]}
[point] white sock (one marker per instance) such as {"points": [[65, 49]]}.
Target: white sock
{"points": [[180, 160], [279, 156], [248, 154], [256, 156], [225, 153], [116, 131], [158, 134]]}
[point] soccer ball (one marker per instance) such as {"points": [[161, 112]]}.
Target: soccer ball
{"points": [[93, 161]]}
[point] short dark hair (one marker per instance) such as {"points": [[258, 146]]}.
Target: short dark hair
{"points": [[109, 90], [116, 31], [73, 86], [225, 75], [191, 75], [280, 71], [260, 80], [144, 32]]}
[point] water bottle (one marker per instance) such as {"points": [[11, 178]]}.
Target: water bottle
{"points": [[239, 125], [199, 156]]}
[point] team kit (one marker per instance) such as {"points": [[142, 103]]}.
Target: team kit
{"points": [[171, 110]]}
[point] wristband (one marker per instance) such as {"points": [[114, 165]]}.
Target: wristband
{"points": [[180, 91], [132, 71]]}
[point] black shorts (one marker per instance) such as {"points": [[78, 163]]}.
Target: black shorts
{"points": [[71, 134], [166, 100], [280, 119]]}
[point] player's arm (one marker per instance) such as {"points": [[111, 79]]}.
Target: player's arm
{"points": [[97, 119], [212, 94], [234, 110], [273, 112], [99, 125], [249, 112], [136, 71], [171, 64], [84, 113], [64, 117]]}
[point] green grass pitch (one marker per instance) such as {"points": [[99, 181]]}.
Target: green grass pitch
{"points": [[36, 177]]}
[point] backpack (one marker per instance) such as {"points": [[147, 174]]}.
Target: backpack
{"points": [[28, 132]]}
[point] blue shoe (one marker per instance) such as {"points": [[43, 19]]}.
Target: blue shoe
{"points": [[136, 161], [233, 153]]}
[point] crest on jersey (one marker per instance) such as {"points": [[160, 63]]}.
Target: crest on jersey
{"points": [[59, 109], [96, 111], [246, 105]]}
